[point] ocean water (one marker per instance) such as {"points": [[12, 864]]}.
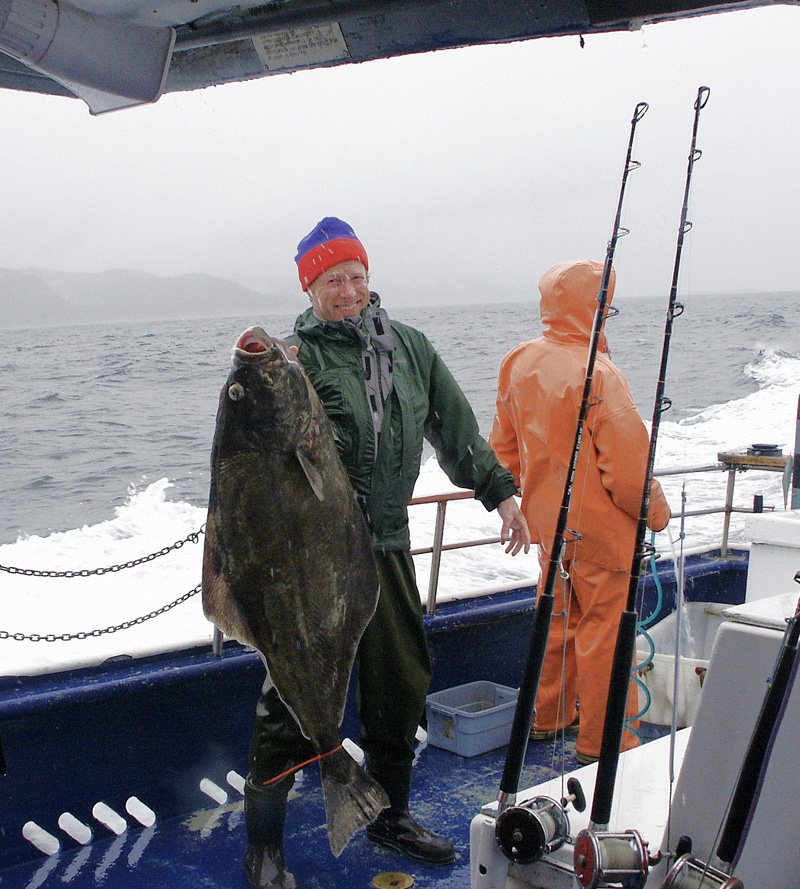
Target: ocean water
{"points": [[106, 433]]}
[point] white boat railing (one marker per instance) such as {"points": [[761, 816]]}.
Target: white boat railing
{"points": [[732, 463]]}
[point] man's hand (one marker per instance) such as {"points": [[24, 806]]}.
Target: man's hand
{"points": [[515, 528]]}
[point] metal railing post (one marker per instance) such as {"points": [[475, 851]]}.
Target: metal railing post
{"points": [[216, 642], [726, 524], [436, 556]]}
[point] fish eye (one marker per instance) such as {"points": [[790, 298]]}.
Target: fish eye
{"points": [[236, 392]]}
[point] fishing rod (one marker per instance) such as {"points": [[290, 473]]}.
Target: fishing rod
{"points": [[595, 845], [510, 840], [626, 638], [748, 785]]}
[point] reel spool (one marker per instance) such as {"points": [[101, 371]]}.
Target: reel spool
{"points": [[691, 873], [526, 832], [611, 859]]}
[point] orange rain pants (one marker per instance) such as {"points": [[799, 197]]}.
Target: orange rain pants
{"points": [[580, 650]]}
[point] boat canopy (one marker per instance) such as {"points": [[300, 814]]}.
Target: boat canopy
{"points": [[117, 53]]}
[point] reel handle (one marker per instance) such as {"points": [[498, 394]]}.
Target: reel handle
{"points": [[576, 796]]}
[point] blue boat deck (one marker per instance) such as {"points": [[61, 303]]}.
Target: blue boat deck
{"points": [[205, 849]]}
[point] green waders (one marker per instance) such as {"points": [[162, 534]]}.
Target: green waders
{"points": [[394, 673], [264, 815]]}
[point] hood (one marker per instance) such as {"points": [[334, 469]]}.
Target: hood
{"points": [[569, 300]]}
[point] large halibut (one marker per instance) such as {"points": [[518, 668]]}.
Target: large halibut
{"points": [[288, 565]]}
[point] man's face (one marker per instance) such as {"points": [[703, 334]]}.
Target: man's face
{"points": [[340, 292]]}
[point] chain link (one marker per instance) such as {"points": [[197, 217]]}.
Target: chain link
{"points": [[91, 572], [68, 637]]}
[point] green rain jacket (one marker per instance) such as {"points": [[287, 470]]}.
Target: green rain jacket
{"points": [[425, 402]]}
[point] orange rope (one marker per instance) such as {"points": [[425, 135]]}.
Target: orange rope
{"points": [[302, 765]]}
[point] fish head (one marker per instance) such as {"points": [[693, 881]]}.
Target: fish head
{"points": [[267, 394]]}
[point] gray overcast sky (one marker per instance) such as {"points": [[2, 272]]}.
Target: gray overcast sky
{"points": [[466, 173]]}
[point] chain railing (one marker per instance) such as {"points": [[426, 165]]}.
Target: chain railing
{"points": [[194, 537], [91, 634]]}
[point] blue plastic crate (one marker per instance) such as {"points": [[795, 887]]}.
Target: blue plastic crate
{"points": [[471, 719]]}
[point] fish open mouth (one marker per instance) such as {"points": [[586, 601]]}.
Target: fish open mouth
{"points": [[256, 346], [253, 341]]}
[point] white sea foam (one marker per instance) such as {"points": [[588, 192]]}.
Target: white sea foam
{"points": [[767, 416], [148, 522]]}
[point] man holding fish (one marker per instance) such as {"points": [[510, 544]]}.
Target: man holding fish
{"points": [[384, 389]]}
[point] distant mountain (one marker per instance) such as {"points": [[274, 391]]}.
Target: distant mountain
{"points": [[43, 297], [26, 300]]}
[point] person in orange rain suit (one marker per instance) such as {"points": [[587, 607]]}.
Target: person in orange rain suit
{"points": [[539, 395]]}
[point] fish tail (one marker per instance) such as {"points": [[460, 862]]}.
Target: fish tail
{"points": [[352, 798]]}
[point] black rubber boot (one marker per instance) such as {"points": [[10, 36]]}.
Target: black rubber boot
{"points": [[395, 829], [264, 817]]}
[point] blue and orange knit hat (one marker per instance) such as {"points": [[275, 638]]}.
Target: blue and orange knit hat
{"points": [[330, 242]]}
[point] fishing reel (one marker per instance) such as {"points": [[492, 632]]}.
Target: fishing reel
{"points": [[611, 859], [527, 832], [691, 873]]}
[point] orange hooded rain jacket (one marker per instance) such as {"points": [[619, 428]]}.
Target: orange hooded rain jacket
{"points": [[539, 395]]}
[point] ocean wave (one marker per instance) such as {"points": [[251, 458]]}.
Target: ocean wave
{"points": [[148, 522], [50, 398], [43, 481], [774, 367], [764, 415]]}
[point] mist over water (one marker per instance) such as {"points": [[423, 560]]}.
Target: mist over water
{"points": [[106, 433]]}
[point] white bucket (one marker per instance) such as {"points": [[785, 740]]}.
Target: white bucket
{"points": [[699, 622]]}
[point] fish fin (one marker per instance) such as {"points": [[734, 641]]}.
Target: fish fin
{"points": [[313, 474], [215, 589], [219, 603], [352, 798]]}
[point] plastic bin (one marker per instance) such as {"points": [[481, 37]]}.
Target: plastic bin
{"points": [[471, 719]]}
